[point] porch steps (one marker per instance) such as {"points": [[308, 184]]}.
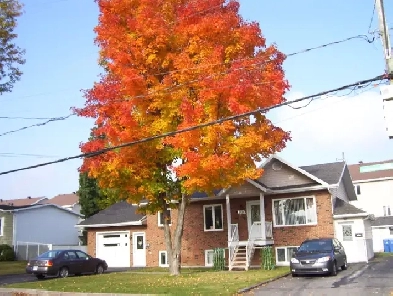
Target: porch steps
{"points": [[240, 259]]}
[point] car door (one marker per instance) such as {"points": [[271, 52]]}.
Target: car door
{"points": [[338, 252], [86, 263], [72, 262]]}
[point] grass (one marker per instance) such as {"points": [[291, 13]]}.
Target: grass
{"points": [[195, 282], [383, 255], [12, 267]]}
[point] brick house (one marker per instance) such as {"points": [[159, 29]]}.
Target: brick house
{"points": [[285, 206]]}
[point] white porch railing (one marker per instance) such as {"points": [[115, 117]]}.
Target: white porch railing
{"points": [[250, 248], [233, 243], [269, 229]]}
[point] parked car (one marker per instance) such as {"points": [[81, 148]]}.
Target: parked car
{"points": [[62, 263], [319, 256]]}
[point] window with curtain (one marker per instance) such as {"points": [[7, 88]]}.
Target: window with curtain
{"points": [[294, 211]]}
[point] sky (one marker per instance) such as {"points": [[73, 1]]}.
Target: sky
{"points": [[61, 60]]}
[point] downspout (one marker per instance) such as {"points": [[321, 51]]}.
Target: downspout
{"points": [[332, 205]]}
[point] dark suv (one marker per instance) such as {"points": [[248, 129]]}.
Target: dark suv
{"points": [[319, 256]]}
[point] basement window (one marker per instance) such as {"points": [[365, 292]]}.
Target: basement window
{"points": [[284, 255], [209, 258], [163, 259]]}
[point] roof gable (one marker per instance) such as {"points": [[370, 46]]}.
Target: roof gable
{"points": [[343, 208], [22, 201], [330, 173], [296, 175], [121, 212], [371, 170], [64, 199]]}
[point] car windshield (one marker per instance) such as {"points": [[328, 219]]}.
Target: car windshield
{"points": [[49, 254], [316, 246]]}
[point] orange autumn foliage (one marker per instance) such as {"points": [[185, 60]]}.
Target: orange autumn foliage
{"points": [[174, 64]]}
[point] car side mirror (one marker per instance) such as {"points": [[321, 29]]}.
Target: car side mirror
{"points": [[336, 248]]}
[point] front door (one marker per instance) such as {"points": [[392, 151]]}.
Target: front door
{"points": [[254, 215], [139, 249]]}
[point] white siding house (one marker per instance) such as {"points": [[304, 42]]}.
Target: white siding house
{"points": [[373, 184], [46, 224]]}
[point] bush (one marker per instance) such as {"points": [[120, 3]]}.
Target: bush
{"points": [[6, 253]]}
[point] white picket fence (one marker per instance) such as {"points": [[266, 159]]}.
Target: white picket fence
{"points": [[30, 250]]}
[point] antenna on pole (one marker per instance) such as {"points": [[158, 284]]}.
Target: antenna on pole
{"points": [[343, 157]]}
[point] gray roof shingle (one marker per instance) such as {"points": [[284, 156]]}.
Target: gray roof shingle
{"points": [[343, 208], [116, 213], [328, 172], [382, 221]]}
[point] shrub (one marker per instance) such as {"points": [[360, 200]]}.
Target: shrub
{"points": [[6, 253]]}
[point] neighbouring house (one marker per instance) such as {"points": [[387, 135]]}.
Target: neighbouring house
{"points": [[374, 189], [282, 208], [36, 225], [66, 201], [29, 201]]}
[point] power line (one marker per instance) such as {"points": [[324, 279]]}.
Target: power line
{"points": [[168, 134], [372, 17], [26, 118], [10, 154], [37, 124], [171, 88]]}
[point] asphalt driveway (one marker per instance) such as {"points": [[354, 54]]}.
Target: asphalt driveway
{"points": [[375, 278]]}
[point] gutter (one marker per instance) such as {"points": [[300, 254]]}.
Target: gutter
{"points": [[350, 215]]}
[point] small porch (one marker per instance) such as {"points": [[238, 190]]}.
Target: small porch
{"points": [[243, 241]]}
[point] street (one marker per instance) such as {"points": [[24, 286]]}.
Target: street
{"points": [[373, 278]]}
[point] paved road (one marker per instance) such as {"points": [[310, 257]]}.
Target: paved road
{"points": [[375, 278]]}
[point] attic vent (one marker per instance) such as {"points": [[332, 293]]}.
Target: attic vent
{"points": [[277, 166]]}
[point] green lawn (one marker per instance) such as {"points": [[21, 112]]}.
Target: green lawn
{"points": [[382, 255], [190, 282], [12, 267]]}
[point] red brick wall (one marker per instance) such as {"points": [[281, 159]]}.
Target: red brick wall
{"points": [[196, 240], [295, 235]]}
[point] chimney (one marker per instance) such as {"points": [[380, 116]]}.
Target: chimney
{"points": [[29, 197], [361, 162]]}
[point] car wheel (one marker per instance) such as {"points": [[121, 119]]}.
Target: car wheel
{"points": [[345, 266], [100, 269], [334, 269], [40, 276], [63, 272], [294, 274]]}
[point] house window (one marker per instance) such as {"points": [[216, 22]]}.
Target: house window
{"points": [[1, 226], [295, 211], [347, 232], [213, 217], [357, 189], [284, 254], [163, 259], [161, 218], [209, 258]]}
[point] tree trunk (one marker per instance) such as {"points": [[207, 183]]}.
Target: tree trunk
{"points": [[174, 248]]}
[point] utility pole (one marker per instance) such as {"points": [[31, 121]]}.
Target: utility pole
{"points": [[386, 90]]}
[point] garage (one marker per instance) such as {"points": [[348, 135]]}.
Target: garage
{"points": [[114, 248], [352, 227]]}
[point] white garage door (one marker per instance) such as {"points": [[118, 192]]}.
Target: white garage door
{"points": [[114, 248]]}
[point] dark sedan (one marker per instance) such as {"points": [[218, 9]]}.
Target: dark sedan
{"points": [[62, 263], [319, 256]]}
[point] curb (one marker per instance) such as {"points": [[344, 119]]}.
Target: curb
{"points": [[39, 292], [241, 291]]}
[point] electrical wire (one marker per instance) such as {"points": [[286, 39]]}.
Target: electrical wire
{"points": [[26, 118], [195, 127], [372, 17], [171, 88], [37, 124], [10, 154]]}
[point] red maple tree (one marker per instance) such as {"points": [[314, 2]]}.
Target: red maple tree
{"points": [[170, 65]]}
